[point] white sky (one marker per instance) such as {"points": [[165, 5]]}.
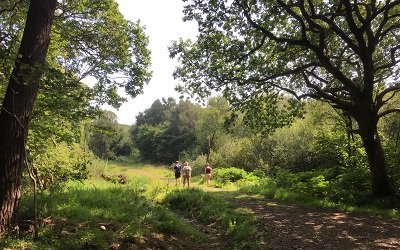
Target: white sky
{"points": [[163, 22]]}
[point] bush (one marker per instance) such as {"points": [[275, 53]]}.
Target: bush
{"points": [[314, 183], [226, 175], [198, 165], [235, 152], [351, 186], [60, 164]]}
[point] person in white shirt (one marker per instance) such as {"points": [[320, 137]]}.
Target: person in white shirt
{"points": [[186, 174]]}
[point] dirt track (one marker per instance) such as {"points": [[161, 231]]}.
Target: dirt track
{"points": [[283, 226], [286, 226]]}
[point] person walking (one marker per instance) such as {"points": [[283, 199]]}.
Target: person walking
{"points": [[208, 173], [177, 171], [186, 174]]}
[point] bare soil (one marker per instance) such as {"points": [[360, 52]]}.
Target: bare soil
{"points": [[285, 226]]}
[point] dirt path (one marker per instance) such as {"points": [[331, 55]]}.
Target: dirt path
{"points": [[287, 226], [283, 226]]}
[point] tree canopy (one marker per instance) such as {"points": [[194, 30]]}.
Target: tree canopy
{"points": [[48, 50], [345, 53]]}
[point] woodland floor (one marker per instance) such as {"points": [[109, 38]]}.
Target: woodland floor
{"points": [[285, 226]]}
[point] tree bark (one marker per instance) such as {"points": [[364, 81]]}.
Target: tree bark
{"points": [[367, 121], [210, 142], [18, 103]]}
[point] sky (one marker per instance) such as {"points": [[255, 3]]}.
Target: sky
{"points": [[163, 24]]}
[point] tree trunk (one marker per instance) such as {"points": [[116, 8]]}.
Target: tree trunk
{"points": [[210, 142], [17, 107], [367, 122]]}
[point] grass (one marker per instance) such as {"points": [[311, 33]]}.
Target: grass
{"points": [[271, 191], [98, 213], [209, 209]]}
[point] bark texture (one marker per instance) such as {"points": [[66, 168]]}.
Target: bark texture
{"points": [[367, 119], [18, 103]]}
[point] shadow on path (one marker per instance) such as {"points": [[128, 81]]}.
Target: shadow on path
{"points": [[283, 226]]}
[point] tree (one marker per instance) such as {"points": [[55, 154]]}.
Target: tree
{"points": [[82, 46], [107, 140], [157, 113], [18, 103], [165, 132], [211, 122], [344, 53]]}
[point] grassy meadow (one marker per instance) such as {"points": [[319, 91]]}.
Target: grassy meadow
{"points": [[126, 206]]}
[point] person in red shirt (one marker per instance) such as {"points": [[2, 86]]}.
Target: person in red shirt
{"points": [[208, 173]]}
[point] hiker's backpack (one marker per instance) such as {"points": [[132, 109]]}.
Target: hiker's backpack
{"points": [[208, 170]]}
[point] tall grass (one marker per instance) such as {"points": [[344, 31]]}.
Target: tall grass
{"points": [[268, 188], [209, 209], [96, 213]]}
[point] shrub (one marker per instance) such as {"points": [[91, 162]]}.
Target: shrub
{"points": [[198, 165], [60, 164], [226, 175], [314, 183], [351, 186]]}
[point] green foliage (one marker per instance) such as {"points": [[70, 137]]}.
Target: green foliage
{"points": [[211, 124], [311, 183], [108, 140], [390, 127], [198, 165], [73, 217], [351, 186], [12, 24], [165, 133], [83, 44], [258, 53], [265, 112], [61, 163], [148, 139], [231, 174], [157, 113], [210, 209], [235, 152]]}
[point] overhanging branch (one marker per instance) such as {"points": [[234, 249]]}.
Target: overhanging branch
{"points": [[389, 111]]}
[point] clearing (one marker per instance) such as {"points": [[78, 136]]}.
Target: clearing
{"points": [[286, 226]]}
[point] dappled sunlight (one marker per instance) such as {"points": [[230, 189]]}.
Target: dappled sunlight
{"points": [[299, 227], [279, 223]]}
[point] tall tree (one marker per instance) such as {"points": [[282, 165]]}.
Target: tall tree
{"points": [[82, 46], [17, 107], [211, 122], [166, 132], [342, 52], [108, 140]]}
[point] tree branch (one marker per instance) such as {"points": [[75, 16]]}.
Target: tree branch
{"points": [[389, 111], [393, 60], [322, 94], [379, 98], [12, 7], [253, 50]]}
